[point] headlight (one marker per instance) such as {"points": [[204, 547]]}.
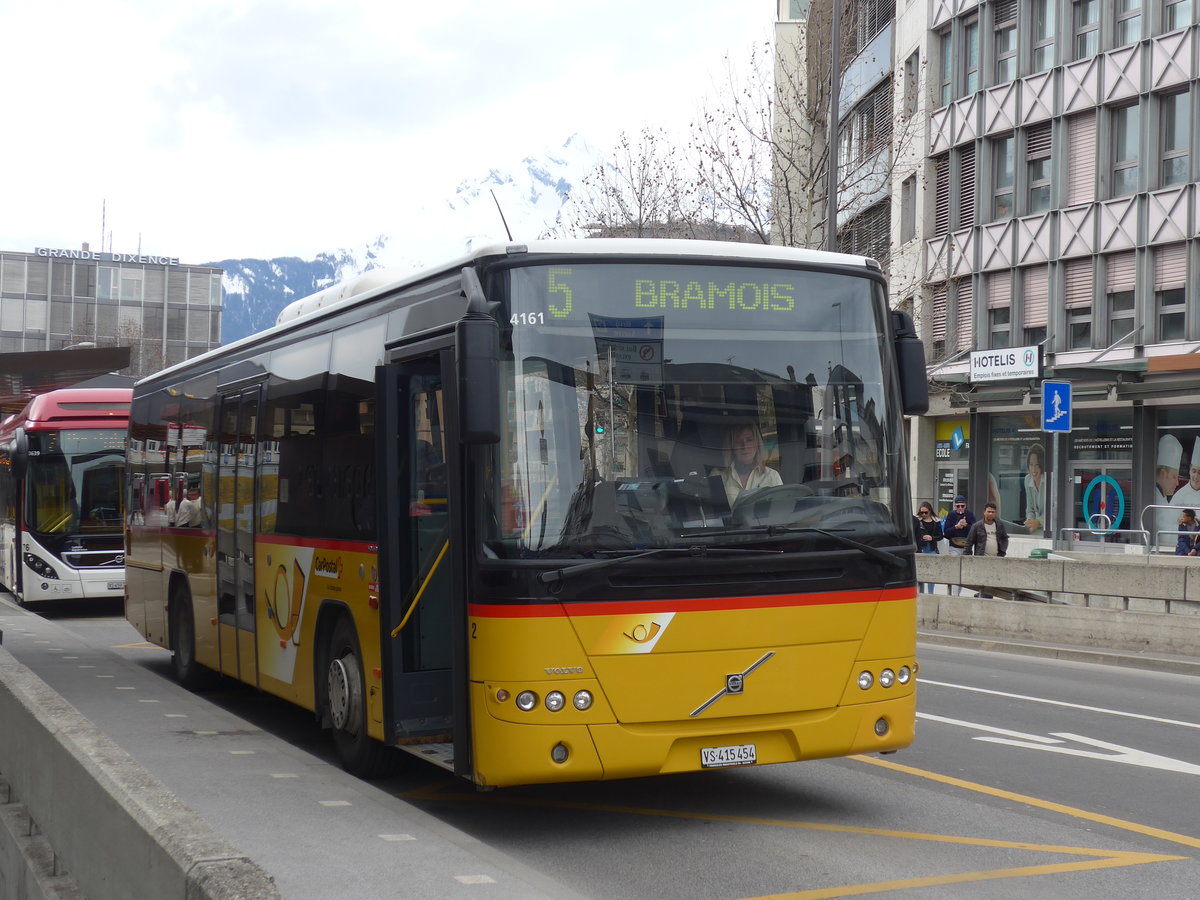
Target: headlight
{"points": [[555, 701], [526, 700], [865, 680], [904, 675], [887, 678], [582, 700], [39, 565]]}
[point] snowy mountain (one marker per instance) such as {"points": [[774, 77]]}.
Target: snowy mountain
{"points": [[531, 192]]}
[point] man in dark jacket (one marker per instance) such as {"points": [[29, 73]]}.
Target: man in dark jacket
{"points": [[988, 536], [955, 528]]}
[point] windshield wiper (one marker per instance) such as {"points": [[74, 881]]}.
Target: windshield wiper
{"points": [[698, 550], [883, 556]]}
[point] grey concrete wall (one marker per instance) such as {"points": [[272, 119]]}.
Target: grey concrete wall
{"points": [[115, 829], [1109, 629]]}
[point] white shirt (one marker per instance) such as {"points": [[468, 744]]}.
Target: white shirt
{"points": [[758, 478]]}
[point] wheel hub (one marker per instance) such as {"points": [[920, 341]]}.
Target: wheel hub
{"points": [[345, 699]]}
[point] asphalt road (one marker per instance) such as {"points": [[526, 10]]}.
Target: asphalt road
{"points": [[1029, 777]]}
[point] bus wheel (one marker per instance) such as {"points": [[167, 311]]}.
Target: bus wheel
{"points": [[188, 672], [346, 703]]}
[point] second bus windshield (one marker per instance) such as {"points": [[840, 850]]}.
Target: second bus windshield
{"points": [[653, 405]]}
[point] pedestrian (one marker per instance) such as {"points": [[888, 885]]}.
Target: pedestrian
{"points": [[988, 537], [955, 527], [1189, 534], [929, 534]]}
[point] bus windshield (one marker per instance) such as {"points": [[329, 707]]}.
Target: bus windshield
{"points": [[660, 405], [76, 482]]}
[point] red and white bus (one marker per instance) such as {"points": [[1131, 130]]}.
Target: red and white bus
{"points": [[62, 488]]}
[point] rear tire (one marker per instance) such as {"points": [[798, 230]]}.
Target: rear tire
{"points": [[345, 698], [188, 672]]}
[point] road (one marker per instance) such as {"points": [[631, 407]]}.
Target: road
{"points": [[1029, 777]]}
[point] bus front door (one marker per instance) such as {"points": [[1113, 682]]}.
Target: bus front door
{"points": [[420, 608], [236, 500]]}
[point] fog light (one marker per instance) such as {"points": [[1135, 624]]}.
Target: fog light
{"points": [[582, 700], [526, 700], [887, 678], [881, 727], [904, 675], [555, 701], [502, 696], [559, 753], [865, 680]]}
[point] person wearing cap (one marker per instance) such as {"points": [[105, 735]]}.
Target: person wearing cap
{"points": [[1189, 494], [1189, 534], [1166, 482], [955, 527]]}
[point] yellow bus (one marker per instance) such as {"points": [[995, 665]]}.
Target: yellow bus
{"points": [[555, 511]]}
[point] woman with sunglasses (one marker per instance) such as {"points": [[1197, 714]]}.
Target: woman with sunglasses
{"points": [[929, 532]]}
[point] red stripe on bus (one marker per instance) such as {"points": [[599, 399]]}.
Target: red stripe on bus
{"points": [[709, 604]]}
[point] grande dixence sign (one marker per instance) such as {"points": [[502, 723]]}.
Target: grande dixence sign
{"points": [[102, 256]]}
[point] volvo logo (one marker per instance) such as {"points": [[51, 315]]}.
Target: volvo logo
{"points": [[734, 684]]}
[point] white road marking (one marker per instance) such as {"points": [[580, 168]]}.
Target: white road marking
{"points": [[1117, 753], [1099, 709]]}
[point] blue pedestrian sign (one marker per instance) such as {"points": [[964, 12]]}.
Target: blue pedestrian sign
{"points": [[1056, 406]]}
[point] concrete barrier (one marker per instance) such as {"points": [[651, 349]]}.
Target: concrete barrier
{"points": [[116, 830]]}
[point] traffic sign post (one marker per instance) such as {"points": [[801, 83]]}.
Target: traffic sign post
{"points": [[1056, 406]]}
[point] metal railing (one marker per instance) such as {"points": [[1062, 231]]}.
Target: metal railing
{"points": [[1069, 538], [1157, 542]]}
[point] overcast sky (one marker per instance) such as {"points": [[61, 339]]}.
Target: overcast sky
{"points": [[223, 129]]}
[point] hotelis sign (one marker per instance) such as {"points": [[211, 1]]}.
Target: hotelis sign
{"points": [[101, 256], [1012, 362]]}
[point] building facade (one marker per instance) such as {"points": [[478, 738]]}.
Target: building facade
{"points": [[1042, 203], [163, 311]]}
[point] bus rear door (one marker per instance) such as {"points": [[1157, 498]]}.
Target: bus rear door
{"points": [[236, 480]]}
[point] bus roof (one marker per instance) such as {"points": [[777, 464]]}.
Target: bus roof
{"points": [[76, 407], [608, 247], [376, 281]]}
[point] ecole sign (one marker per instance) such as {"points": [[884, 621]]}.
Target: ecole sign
{"points": [[1012, 362]]}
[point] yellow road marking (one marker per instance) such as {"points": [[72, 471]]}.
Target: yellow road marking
{"points": [[1124, 825], [1100, 858]]}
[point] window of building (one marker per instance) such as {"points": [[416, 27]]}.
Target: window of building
{"points": [[964, 324], [966, 186], [1081, 158], [937, 328], [1126, 136], [1170, 294], [1078, 297], [1035, 293], [1003, 176], [1085, 17], [970, 57], [912, 82], [1005, 17], [941, 204], [1176, 14], [108, 283], [869, 234], [1042, 39], [1176, 122], [946, 70], [908, 209], [1120, 317], [999, 303], [998, 328], [1129, 22], [1038, 172], [871, 17]]}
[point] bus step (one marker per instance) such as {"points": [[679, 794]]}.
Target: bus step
{"points": [[438, 754]]}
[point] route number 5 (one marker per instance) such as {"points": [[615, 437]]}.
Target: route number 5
{"points": [[557, 287]]}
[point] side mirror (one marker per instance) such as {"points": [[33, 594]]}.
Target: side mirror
{"points": [[910, 364], [477, 349], [18, 453]]}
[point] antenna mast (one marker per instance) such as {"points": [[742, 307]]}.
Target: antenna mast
{"points": [[507, 230]]}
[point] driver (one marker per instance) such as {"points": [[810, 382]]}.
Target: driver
{"points": [[745, 464]]}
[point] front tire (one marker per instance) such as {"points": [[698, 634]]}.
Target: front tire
{"points": [[345, 698]]}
